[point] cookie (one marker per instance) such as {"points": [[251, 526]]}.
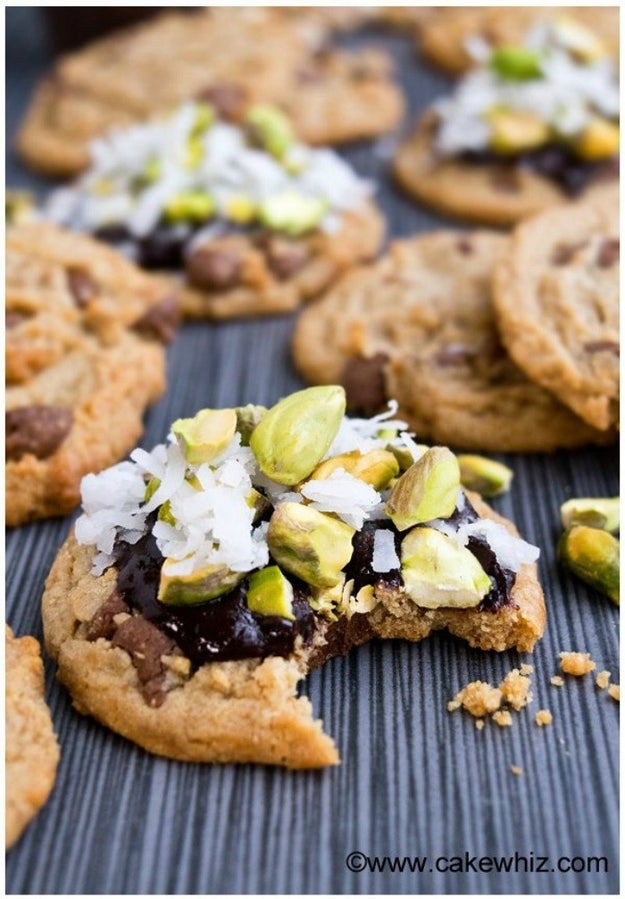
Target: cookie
{"points": [[191, 642], [557, 301], [32, 752], [419, 327], [84, 357], [444, 36], [235, 56], [250, 220]]}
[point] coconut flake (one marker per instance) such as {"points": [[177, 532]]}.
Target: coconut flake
{"points": [[344, 495], [385, 556]]}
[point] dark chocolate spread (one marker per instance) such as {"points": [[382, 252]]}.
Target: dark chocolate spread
{"points": [[555, 162], [218, 630]]}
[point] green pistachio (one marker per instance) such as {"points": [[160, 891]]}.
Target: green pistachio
{"points": [[310, 544], [204, 584], [270, 593], [326, 600], [247, 419], [269, 128], [485, 476], [438, 573], [204, 118], [150, 489], [206, 435], [516, 63], [258, 503], [429, 489], [292, 213], [593, 555], [295, 434], [165, 514], [19, 207], [240, 209], [514, 131], [377, 467], [595, 513], [191, 206], [403, 455]]}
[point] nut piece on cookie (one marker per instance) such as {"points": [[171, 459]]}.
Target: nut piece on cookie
{"points": [[203, 580]]}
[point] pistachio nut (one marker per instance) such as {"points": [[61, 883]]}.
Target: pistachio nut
{"points": [[200, 586], [294, 435], [377, 467], [269, 128], [259, 503], [600, 139], [514, 131], [439, 573], [19, 207], [403, 455], [204, 117], [150, 489], [325, 600], [194, 153], [241, 210], [593, 555], [191, 206], [310, 544], [486, 476], [165, 514], [270, 593], [429, 489], [292, 213], [517, 63], [247, 419], [595, 513], [207, 434]]}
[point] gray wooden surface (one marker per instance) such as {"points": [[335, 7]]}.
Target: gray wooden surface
{"points": [[414, 780]]}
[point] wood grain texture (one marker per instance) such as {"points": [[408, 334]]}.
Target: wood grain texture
{"points": [[414, 779]]}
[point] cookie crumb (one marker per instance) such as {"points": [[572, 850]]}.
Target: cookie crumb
{"points": [[503, 718], [543, 717], [177, 664], [527, 669], [516, 769], [557, 681], [453, 704], [478, 698], [479, 723], [515, 688], [576, 663], [614, 690], [603, 679]]}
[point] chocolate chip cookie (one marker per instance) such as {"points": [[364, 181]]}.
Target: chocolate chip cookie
{"points": [[203, 580], [556, 296], [84, 357], [32, 752], [233, 56], [419, 326]]}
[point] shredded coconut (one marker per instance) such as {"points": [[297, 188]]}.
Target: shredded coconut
{"points": [[385, 556], [348, 497]]}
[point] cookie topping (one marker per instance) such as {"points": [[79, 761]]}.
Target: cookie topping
{"points": [[191, 171], [365, 387], [161, 320], [541, 94], [38, 430], [217, 265], [609, 252]]}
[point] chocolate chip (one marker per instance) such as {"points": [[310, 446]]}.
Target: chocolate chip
{"points": [[13, 318], [465, 245], [454, 354], [161, 320], [82, 286], [102, 624], [228, 99], [145, 644], [363, 380], [38, 430], [603, 346], [608, 253], [285, 257], [563, 253], [215, 267]]}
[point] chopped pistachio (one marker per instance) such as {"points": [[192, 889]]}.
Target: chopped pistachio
{"points": [[270, 593], [247, 419], [600, 139], [207, 434], [271, 129], [191, 206], [292, 213], [200, 586], [514, 131], [294, 435], [600, 513], [486, 476], [19, 207], [593, 555], [516, 63], [428, 490], [240, 209], [377, 467]]}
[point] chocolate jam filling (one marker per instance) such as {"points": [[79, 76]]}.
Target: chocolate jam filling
{"points": [[219, 630], [555, 162]]}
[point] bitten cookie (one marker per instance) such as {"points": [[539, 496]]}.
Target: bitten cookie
{"points": [[530, 127], [444, 36], [419, 326], [235, 56], [204, 579], [250, 221], [557, 301], [32, 752], [84, 357]]}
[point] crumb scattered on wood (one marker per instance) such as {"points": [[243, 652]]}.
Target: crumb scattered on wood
{"points": [[516, 769], [614, 691], [576, 663], [603, 679], [503, 718], [557, 681], [543, 717]]}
